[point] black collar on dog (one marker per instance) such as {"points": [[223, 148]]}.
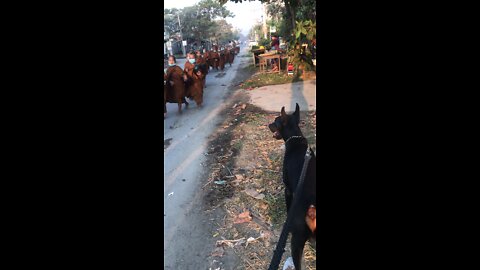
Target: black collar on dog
{"points": [[294, 137]]}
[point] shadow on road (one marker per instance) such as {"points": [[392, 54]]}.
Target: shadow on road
{"points": [[298, 97]]}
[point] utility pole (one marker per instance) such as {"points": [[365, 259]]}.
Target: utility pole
{"points": [[181, 35]]}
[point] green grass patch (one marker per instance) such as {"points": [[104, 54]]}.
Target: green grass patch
{"points": [[238, 145], [276, 209], [255, 118], [250, 68]]}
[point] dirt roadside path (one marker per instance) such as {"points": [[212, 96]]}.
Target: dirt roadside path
{"points": [[245, 190]]}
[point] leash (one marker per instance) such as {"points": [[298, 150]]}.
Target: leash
{"points": [[282, 241]]}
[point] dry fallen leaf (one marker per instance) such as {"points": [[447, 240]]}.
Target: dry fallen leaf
{"points": [[254, 194], [243, 217], [245, 214], [264, 206]]}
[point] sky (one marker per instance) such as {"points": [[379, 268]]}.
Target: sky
{"points": [[246, 13]]}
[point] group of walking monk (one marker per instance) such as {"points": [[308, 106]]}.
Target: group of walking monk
{"points": [[189, 82]]}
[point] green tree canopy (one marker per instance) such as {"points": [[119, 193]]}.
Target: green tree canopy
{"points": [[298, 26], [197, 22], [225, 31], [286, 13]]}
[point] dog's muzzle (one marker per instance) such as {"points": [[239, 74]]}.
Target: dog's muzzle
{"points": [[275, 130]]}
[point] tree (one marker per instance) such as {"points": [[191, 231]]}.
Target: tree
{"points": [[197, 22], [302, 58], [225, 31], [307, 11], [277, 12], [195, 25], [170, 22], [213, 9], [299, 27], [200, 22], [290, 5], [257, 28]]}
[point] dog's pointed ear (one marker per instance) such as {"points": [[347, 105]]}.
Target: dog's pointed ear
{"points": [[296, 114], [283, 116]]}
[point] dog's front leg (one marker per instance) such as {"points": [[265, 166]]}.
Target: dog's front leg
{"points": [[288, 199], [288, 193], [299, 238]]}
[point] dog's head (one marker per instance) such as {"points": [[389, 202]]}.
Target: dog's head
{"points": [[286, 126]]}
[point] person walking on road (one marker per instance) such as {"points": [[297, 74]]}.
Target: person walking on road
{"points": [[202, 62], [174, 85], [194, 80]]}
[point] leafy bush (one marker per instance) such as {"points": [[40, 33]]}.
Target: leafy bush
{"points": [[264, 42], [305, 31]]}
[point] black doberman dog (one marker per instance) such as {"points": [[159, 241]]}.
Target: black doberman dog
{"points": [[303, 224]]}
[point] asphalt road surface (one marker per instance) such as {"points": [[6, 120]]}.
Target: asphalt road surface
{"points": [[187, 243]]}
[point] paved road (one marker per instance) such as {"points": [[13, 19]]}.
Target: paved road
{"points": [[186, 240], [274, 97]]}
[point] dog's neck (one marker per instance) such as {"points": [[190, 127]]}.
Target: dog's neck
{"points": [[295, 137], [295, 142]]}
